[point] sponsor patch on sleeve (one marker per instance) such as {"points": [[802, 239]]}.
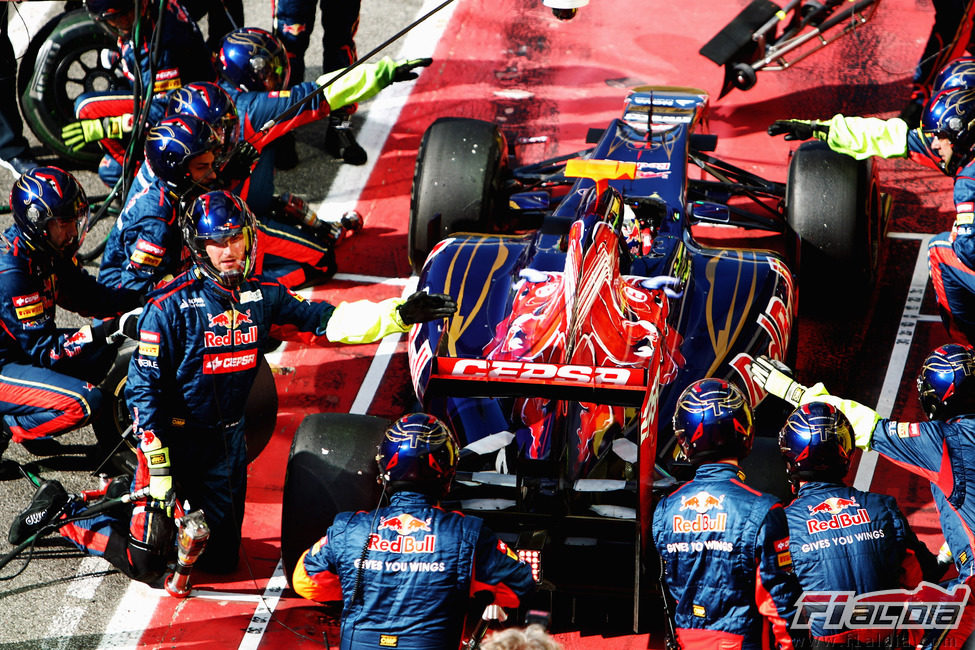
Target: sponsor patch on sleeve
{"points": [[784, 558], [700, 611], [507, 551], [388, 640], [149, 349], [29, 299], [903, 429], [29, 311], [146, 253]]}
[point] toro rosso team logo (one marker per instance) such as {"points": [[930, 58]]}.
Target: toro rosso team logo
{"points": [[835, 507], [704, 520], [404, 524]]}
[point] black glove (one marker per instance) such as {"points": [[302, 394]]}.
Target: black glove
{"points": [[404, 70], [798, 129], [421, 307], [237, 166]]}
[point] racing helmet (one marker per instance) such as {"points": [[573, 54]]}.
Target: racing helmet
{"points": [[43, 195], [958, 74], [220, 216], [211, 103], [951, 114], [713, 421], [252, 59], [816, 441], [418, 452], [173, 143], [945, 385], [116, 16]]}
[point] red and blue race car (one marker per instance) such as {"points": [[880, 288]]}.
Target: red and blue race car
{"points": [[591, 290]]}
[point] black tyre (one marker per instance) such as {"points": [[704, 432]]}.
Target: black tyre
{"points": [[743, 76], [331, 469], [60, 63], [456, 183], [832, 203], [116, 443]]}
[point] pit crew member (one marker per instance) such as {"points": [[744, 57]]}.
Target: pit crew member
{"points": [[941, 449], [724, 546], [945, 141], [199, 341], [255, 71], [882, 552], [46, 372], [177, 56], [294, 21], [450, 556]]}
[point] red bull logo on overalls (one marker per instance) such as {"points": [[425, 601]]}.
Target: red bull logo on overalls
{"points": [[701, 503], [404, 525], [835, 506]]}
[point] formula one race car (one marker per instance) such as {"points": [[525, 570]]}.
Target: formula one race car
{"points": [[592, 289], [765, 36]]}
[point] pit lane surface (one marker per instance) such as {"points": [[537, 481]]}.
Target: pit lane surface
{"points": [[546, 82]]}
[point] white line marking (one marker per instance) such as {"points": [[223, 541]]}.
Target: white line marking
{"points": [[262, 615], [132, 616], [78, 595], [898, 356]]}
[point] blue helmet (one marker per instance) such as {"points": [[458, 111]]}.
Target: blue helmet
{"points": [[816, 441], [956, 75], [43, 195], [945, 384], [220, 216], [115, 16], [173, 143], [418, 452], [951, 114], [253, 59], [713, 421], [211, 103]]}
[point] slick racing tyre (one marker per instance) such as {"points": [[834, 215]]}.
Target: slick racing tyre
{"points": [[456, 183], [61, 62], [112, 425], [331, 469], [833, 204]]}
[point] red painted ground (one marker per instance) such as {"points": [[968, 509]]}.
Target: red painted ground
{"points": [[577, 73]]}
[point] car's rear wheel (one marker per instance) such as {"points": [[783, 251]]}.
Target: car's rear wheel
{"points": [[331, 469], [456, 182], [832, 203], [116, 442], [60, 63]]}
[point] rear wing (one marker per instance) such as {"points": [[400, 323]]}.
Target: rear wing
{"points": [[493, 378]]}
